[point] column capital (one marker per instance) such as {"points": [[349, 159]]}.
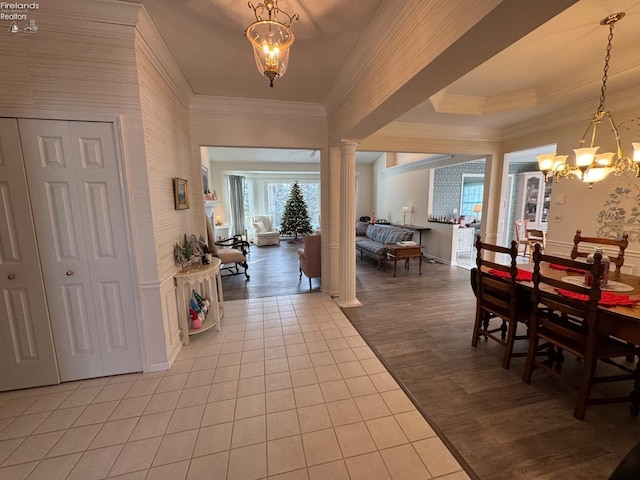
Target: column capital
{"points": [[348, 141]]}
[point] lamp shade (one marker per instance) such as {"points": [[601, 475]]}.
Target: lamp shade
{"points": [[585, 156], [477, 208], [596, 174], [545, 161], [604, 159], [636, 152]]}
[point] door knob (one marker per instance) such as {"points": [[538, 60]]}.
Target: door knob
{"points": [[69, 273], [11, 276]]}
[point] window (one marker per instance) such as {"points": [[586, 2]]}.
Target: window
{"points": [[472, 193], [267, 194], [278, 194]]}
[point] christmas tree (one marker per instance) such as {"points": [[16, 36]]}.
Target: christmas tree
{"points": [[295, 218]]}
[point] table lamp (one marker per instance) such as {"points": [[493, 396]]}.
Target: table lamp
{"points": [[405, 210], [477, 209]]}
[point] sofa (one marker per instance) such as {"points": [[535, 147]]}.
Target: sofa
{"points": [[371, 244]]}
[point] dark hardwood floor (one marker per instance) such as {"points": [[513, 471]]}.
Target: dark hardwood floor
{"points": [[420, 327]]}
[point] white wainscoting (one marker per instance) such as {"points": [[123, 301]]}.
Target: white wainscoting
{"points": [[631, 257]]}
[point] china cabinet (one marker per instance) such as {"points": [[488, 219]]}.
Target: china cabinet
{"points": [[534, 199]]}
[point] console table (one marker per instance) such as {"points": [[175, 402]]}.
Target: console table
{"points": [[206, 280]]}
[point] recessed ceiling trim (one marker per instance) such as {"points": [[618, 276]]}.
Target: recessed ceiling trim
{"points": [[450, 132], [444, 102], [618, 102]]}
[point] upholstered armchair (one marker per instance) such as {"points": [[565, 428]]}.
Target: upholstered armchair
{"points": [[263, 231], [310, 260]]}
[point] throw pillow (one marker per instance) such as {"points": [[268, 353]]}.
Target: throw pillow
{"points": [[259, 227]]}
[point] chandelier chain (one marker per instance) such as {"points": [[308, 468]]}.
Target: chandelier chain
{"points": [[605, 72]]}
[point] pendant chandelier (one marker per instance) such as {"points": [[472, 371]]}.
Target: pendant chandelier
{"points": [[271, 39], [590, 166]]}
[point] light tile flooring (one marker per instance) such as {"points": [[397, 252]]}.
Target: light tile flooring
{"points": [[286, 390]]}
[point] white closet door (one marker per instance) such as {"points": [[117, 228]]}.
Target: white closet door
{"points": [[27, 356], [76, 191]]}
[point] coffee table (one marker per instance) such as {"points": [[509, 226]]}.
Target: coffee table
{"points": [[398, 252]]}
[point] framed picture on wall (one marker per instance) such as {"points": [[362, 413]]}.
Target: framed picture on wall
{"points": [[181, 193], [205, 179]]}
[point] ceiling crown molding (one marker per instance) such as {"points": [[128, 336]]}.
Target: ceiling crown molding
{"points": [[151, 43]]}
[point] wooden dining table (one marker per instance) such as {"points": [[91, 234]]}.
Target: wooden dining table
{"points": [[618, 321], [621, 322]]}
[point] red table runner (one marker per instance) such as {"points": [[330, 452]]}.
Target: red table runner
{"points": [[607, 299], [521, 276]]}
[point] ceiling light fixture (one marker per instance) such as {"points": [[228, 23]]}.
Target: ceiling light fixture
{"points": [[589, 166], [271, 39]]}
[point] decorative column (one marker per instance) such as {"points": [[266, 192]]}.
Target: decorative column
{"points": [[494, 177], [331, 281], [347, 283]]}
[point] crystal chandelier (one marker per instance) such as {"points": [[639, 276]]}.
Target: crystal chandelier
{"points": [[271, 39], [590, 166]]}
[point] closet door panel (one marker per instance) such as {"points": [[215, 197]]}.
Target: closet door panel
{"points": [[103, 211], [27, 355], [80, 223], [50, 170]]}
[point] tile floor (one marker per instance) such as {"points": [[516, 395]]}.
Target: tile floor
{"points": [[286, 390]]}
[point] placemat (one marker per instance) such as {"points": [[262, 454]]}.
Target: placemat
{"points": [[611, 285]]}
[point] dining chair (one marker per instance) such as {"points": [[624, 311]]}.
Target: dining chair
{"points": [[621, 244], [499, 308], [536, 236], [564, 318], [521, 235]]}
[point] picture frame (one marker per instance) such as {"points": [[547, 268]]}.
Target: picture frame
{"points": [[205, 179], [181, 193]]}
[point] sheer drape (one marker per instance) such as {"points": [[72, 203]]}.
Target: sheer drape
{"points": [[236, 200]]}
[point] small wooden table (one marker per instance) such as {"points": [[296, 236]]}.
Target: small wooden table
{"points": [[398, 252]]}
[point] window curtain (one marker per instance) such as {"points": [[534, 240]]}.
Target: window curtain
{"points": [[236, 199]]}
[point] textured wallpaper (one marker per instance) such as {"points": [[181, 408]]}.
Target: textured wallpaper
{"points": [[620, 212], [447, 185]]}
